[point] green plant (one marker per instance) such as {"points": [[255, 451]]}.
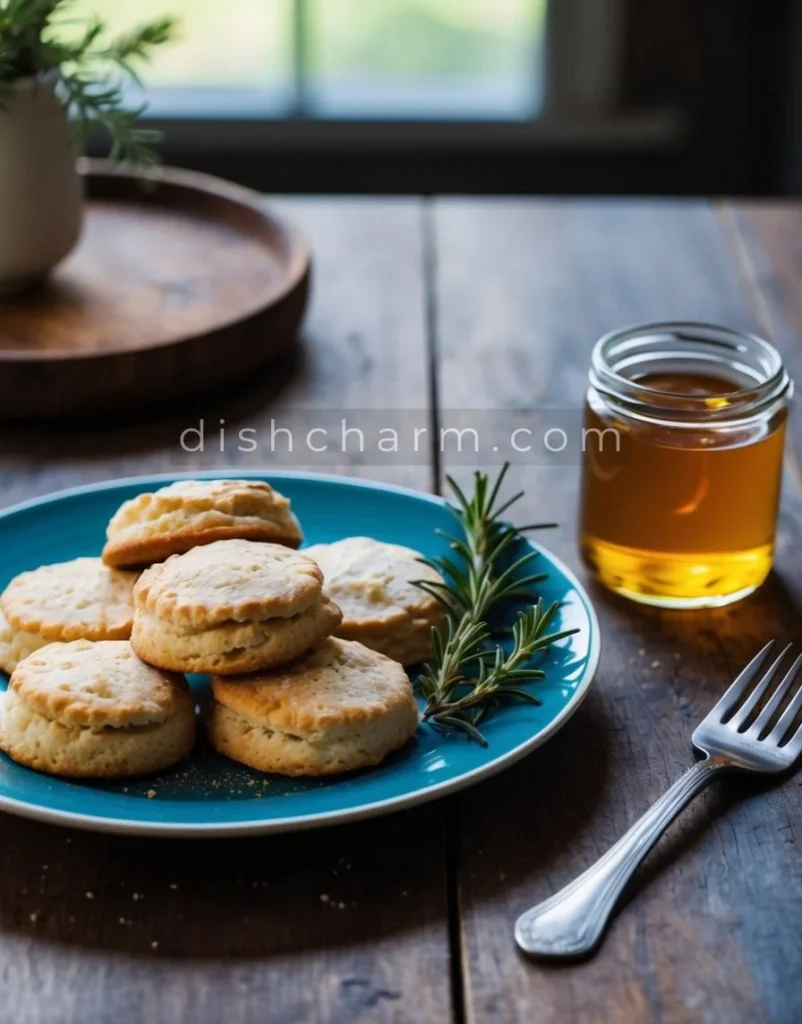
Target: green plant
{"points": [[470, 671], [88, 70]]}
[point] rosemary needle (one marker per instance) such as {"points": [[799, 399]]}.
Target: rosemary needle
{"points": [[469, 672]]}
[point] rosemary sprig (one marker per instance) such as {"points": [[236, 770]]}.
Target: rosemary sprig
{"points": [[468, 672], [473, 582]]}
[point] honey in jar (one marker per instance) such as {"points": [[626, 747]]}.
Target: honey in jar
{"points": [[682, 463]]}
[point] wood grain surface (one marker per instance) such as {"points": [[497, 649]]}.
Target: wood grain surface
{"points": [[712, 932], [420, 309], [343, 925]]}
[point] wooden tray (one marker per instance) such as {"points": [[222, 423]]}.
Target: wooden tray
{"points": [[173, 290]]}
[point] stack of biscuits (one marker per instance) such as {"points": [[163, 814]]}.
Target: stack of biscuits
{"points": [[306, 649]]}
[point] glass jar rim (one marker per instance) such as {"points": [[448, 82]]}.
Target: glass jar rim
{"points": [[703, 348]]}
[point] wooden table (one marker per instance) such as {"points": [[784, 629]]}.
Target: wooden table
{"points": [[460, 304]]}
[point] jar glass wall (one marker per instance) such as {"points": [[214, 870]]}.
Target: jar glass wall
{"points": [[682, 463]]}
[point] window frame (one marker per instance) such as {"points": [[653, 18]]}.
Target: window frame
{"points": [[581, 106]]}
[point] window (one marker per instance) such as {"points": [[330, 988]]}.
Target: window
{"points": [[343, 59], [397, 95], [231, 57], [425, 58]]}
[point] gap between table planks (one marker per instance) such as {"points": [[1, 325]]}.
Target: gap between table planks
{"points": [[336, 926], [712, 933]]}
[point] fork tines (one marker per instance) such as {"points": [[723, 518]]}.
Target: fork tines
{"points": [[752, 704]]}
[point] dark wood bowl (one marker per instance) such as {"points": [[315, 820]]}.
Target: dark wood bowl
{"points": [[177, 287]]}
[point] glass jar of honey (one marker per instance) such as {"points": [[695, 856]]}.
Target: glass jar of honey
{"points": [[682, 461]]}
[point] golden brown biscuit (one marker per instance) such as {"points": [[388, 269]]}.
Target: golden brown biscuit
{"points": [[16, 644], [370, 581], [232, 606], [183, 515], [233, 647], [78, 600], [95, 710], [229, 579], [340, 707]]}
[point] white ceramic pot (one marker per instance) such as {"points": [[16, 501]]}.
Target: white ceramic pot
{"points": [[41, 192]]}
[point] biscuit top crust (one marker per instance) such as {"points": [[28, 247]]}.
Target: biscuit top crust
{"points": [[202, 504], [72, 600], [341, 682], [97, 685], [370, 580], [239, 580]]}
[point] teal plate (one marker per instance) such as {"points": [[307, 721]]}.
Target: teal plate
{"points": [[210, 795]]}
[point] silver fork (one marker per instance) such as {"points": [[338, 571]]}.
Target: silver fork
{"points": [[735, 736]]}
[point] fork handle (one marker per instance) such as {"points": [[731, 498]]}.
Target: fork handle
{"points": [[571, 922]]}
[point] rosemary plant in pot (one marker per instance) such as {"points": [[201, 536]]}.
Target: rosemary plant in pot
{"points": [[60, 80]]}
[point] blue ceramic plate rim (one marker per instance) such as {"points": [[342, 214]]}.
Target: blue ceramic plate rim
{"points": [[167, 829]]}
